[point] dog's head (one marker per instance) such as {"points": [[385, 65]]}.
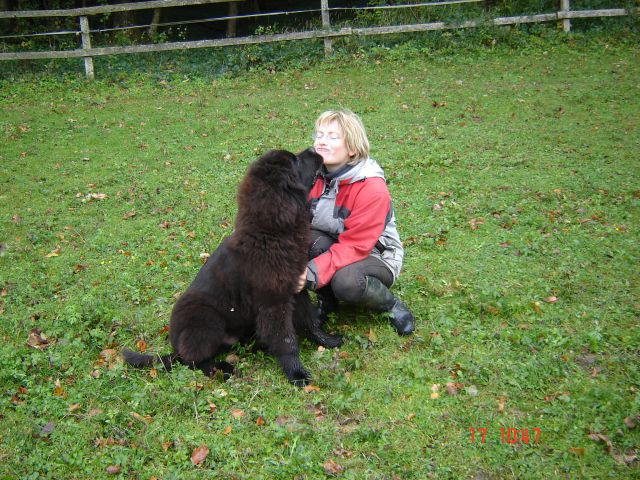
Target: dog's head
{"points": [[282, 169], [308, 163]]}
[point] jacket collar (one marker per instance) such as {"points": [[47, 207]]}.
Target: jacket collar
{"points": [[353, 173]]}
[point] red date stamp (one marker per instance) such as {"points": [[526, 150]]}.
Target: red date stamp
{"points": [[510, 436]]}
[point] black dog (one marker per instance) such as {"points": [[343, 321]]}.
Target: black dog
{"points": [[247, 288]]}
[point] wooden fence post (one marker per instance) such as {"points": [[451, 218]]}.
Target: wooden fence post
{"points": [[86, 45], [326, 24], [565, 7]]}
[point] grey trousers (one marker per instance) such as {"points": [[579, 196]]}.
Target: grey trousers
{"points": [[348, 283]]}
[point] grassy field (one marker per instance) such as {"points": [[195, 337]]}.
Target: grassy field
{"points": [[516, 185]]}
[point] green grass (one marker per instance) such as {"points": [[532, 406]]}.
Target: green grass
{"points": [[515, 179]]}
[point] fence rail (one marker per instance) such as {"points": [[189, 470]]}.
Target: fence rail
{"points": [[327, 33]]}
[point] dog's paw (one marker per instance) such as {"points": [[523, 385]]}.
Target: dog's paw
{"points": [[294, 370], [332, 341], [300, 378]]}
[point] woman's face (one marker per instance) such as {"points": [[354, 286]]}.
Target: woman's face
{"points": [[330, 145]]}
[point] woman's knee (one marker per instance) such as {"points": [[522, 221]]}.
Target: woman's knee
{"points": [[348, 285]]}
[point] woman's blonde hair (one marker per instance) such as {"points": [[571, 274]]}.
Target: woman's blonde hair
{"points": [[355, 136]]}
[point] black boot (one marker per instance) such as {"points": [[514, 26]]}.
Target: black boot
{"points": [[327, 303], [378, 297]]}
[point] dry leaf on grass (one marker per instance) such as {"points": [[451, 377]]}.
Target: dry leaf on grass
{"points": [[199, 454], [37, 339], [501, 404], [54, 253], [621, 458], [332, 468], [237, 413]]}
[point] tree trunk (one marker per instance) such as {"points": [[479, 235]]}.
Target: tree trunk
{"points": [[153, 29], [5, 23], [124, 19], [231, 23]]}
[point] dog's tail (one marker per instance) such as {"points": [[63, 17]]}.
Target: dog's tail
{"points": [[142, 360]]}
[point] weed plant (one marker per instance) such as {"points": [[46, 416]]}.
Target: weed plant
{"points": [[515, 178]]}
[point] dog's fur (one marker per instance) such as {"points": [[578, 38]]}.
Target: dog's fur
{"points": [[246, 289]]}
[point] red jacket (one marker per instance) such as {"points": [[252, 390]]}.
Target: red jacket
{"points": [[356, 207]]}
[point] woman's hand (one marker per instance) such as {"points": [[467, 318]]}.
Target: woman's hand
{"points": [[302, 281]]}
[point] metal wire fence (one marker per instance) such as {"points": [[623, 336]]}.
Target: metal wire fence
{"points": [[323, 15]]}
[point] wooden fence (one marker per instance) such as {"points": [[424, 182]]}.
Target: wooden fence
{"points": [[327, 33]]}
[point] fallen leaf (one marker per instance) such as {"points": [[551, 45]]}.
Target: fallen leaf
{"points": [[37, 339], [17, 398], [311, 388], [58, 391], [79, 268], [452, 389], [435, 395], [630, 422], [212, 408], [435, 387], [147, 419], [128, 215], [332, 468], [411, 416], [626, 459], [237, 413], [73, 407], [141, 345], [54, 253], [227, 430], [551, 299], [501, 403], [475, 223], [108, 442], [113, 469], [341, 452], [260, 421], [577, 450], [598, 437], [199, 454], [166, 446], [107, 357]]}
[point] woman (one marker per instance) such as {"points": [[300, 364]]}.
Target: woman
{"points": [[355, 252]]}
